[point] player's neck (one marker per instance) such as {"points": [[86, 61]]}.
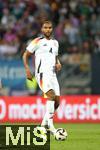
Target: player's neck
{"points": [[48, 38]]}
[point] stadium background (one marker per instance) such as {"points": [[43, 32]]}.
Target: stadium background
{"points": [[77, 28]]}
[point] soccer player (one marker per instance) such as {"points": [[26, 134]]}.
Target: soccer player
{"points": [[46, 66]]}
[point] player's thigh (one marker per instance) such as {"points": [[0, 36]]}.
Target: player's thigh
{"points": [[51, 95], [44, 82]]}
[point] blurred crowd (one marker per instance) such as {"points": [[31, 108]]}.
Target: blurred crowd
{"points": [[76, 24]]}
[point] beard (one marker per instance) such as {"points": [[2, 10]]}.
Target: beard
{"points": [[48, 34]]}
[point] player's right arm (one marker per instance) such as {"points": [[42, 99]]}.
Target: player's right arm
{"points": [[26, 56], [30, 49]]}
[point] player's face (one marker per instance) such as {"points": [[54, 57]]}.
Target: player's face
{"points": [[47, 29]]}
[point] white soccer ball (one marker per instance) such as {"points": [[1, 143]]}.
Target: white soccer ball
{"points": [[61, 134]]}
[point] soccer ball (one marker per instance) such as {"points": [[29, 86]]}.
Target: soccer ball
{"points": [[61, 134]]}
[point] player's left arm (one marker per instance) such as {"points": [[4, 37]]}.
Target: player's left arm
{"points": [[58, 64]]}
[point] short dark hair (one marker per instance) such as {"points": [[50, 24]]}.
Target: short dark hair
{"points": [[46, 22]]}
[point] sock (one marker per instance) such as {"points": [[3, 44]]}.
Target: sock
{"points": [[48, 117], [50, 114], [45, 120]]}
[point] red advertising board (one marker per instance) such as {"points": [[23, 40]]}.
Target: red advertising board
{"points": [[32, 109]]}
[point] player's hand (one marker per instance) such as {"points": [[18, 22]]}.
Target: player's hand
{"points": [[58, 67], [28, 74]]}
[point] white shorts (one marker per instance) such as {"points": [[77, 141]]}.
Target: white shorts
{"points": [[47, 82]]}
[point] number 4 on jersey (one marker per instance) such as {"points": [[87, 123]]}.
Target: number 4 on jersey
{"points": [[50, 50]]}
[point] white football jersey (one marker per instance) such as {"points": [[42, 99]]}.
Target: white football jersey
{"points": [[45, 54]]}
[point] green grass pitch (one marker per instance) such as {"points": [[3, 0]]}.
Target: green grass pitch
{"points": [[80, 137]]}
